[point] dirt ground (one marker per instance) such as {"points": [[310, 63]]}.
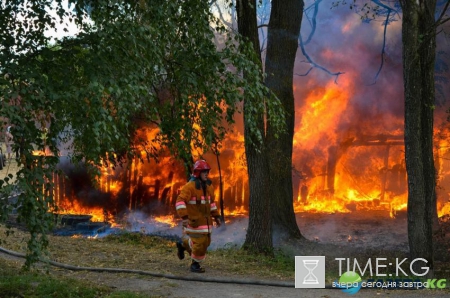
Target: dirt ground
{"points": [[334, 235]]}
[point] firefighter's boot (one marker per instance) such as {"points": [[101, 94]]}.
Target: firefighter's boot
{"points": [[195, 267], [180, 250]]}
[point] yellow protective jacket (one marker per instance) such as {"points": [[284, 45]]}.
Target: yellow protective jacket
{"points": [[197, 206]]}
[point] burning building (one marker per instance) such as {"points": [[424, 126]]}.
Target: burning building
{"points": [[348, 144]]}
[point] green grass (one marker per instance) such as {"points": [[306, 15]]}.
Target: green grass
{"points": [[16, 283], [36, 283], [243, 262], [134, 238], [228, 260]]}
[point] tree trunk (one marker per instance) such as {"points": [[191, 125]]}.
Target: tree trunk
{"points": [[419, 50], [259, 232], [282, 45]]}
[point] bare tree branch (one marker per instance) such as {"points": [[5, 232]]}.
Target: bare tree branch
{"points": [[221, 17], [262, 16], [315, 64], [313, 20], [311, 34], [441, 19], [386, 22]]}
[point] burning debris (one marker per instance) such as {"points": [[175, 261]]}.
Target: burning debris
{"points": [[335, 170], [360, 174], [73, 224]]}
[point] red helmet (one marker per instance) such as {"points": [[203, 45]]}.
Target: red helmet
{"points": [[200, 165]]}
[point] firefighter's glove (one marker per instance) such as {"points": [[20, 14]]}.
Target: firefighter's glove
{"points": [[218, 221], [185, 222]]}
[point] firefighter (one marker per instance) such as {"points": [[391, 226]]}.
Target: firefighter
{"points": [[196, 206]]}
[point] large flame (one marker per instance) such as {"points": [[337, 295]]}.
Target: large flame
{"points": [[335, 168]]}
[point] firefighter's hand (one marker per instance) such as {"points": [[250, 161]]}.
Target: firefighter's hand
{"points": [[185, 222], [218, 221]]}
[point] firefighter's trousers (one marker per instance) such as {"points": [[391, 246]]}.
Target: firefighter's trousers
{"points": [[196, 245]]}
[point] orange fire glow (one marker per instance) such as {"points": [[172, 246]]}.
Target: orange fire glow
{"points": [[166, 219], [334, 171], [73, 206]]}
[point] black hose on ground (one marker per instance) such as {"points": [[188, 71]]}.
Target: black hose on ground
{"points": [[163, 275]]}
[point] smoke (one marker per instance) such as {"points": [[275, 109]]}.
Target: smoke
{"points": [[375, 230], [137, 221], [343, 43], [82, 186], [329, 227], [362, 101], [346, 229], [230, 235]]}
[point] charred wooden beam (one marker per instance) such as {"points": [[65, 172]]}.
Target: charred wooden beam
{"points": [[335, 152]]}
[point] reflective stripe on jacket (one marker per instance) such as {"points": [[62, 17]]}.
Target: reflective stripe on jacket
{"points": [[199, 208]]}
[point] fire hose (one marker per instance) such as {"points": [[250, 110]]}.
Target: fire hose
{"points": [[162, 275]]}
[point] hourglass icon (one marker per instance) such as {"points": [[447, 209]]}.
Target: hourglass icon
{"points": [[310, 278]]}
